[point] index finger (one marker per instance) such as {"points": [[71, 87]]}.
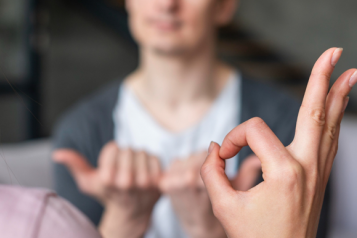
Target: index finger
{"points": [[261, 139]]}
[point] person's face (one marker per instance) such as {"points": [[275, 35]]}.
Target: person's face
{"points": [[177, 26]]}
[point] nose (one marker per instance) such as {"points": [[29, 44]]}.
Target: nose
{"points": [[168, 5]]}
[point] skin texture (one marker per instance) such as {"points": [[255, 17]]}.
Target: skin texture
{"points": [[289, 200]]}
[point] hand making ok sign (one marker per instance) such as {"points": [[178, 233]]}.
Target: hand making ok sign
{"points": [[289, 200]]}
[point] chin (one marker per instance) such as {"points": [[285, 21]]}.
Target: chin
{"points": [[170, 48], [169, 51]]}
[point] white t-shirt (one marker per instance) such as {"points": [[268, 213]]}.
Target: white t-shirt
{"points": [[135, 128]]}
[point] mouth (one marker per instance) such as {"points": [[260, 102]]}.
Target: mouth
{"points": [[165, 25]]}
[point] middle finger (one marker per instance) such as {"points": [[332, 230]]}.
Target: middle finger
{"points": [[335, 103], [311, 119]]}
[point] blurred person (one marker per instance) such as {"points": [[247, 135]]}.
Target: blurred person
{"points": [[296, 175], [135, 148], [289, 201]]}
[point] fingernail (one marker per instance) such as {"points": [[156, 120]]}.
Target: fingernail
{"points": [[336, 56], [210, 148], [347, 99], [353, 79]]}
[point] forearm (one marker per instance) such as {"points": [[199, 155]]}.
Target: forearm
{"points": [[116, 224]]}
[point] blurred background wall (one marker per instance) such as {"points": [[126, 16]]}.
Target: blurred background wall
{"points": [[85, 53], [14, 66]]}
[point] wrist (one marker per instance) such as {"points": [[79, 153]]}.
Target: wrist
{"points": [[213, 231], [118, 223]]}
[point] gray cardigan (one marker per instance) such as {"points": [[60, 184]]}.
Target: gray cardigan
{"points": [[89, 125]]}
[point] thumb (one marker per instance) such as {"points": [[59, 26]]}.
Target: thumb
{"points": [[214, 176], [82, 171], [247, 174]]}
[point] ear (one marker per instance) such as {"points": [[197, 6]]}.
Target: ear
{"points": [[225, 10]]}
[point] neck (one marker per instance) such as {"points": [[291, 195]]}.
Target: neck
{"points": [[180, 79]]}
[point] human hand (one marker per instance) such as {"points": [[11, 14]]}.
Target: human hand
{"points": [[125, 182], [183, 184], [288, 202]]}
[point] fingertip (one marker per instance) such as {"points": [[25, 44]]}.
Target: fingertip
{"points": [[334, 50], [353, 78], [213, 161], [111, 145], [60, 155], [55, 157], [212, 147], [330, 51], [337, 52], [236, 139], [228, 150], [71, 159], [331, 55], [223, 153], [213, 154], [110, 148]]}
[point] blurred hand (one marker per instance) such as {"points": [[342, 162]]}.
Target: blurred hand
{"points": [[125, 182], [248, 173], [288, 202], [183, 184]]}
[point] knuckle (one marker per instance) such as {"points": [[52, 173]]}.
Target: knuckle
{"points": [[129, 152], [143, 183], [141, 154], [163, 185], [107, 182], [256, 122], [111, 145], [318, 116], [331, 131], [292, 174], [125, 183], [313, 185], [333, 151], [205, 170], [126, 153], [219, 209], [318, 74]]}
